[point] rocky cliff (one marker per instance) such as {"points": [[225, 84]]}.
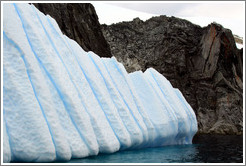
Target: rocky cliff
{"points": [[204, 63], [78, 21]]}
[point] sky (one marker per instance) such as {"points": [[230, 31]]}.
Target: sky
{"points": [[229, 14]]}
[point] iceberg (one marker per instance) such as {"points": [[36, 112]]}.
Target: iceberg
{"points": [[60, 102]]}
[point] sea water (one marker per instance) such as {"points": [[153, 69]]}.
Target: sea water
{"points": [[205, 149]]}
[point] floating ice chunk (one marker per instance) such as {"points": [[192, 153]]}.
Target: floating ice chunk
{"points": [[60, 102]]}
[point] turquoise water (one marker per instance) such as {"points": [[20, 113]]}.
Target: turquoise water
{"points": [[205, 149], [168, 154]]}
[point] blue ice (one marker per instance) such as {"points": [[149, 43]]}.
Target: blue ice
{"points": [[61, 102]]}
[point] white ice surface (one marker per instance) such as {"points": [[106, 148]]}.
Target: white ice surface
{"points": [[60, 102], [6, 146]]}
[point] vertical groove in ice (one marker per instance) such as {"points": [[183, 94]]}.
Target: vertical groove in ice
{"points": [[136, 135], [6, 141], [165, 104], [60, 58], [104, 146], [117, 87], [101, 135], [166, 88], [120, 94], [95, 96], [108, 90], [33, 88], [143, 118], [16, 100]]}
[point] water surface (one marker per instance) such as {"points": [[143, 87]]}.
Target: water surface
{"points": [[205, 149]]}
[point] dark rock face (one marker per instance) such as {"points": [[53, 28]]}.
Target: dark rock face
{"points": [[78, 22], [203, 63]]}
